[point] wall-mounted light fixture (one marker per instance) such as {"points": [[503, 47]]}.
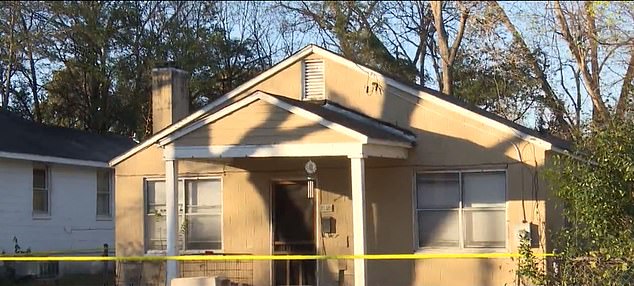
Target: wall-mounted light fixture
{"points": [[311, 169]]}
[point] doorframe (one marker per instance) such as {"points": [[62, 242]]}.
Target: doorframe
{"points": [[316, 216]]}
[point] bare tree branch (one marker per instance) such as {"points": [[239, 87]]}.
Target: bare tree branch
{"points": [[590, 83], [554, 103]]}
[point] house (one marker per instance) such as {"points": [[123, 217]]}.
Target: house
{"points": [[322, 155], [56, 192]]}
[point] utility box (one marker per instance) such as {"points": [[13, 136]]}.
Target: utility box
{"points": [[328, 225], [529, 231]]}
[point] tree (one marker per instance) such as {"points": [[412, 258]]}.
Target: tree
{"points": [[353, 27], [80, 94], [10, 12], [409, 26], [496, 82], [590, 74], [447, 52], [107, 50], [584, 55], [423, 41], [597, 197], [562, 121]]}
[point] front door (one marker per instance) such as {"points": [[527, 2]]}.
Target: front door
{"points": [[293, 232]]}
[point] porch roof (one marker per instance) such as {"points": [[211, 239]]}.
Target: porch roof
{"points": [[371, 127], [319, 128]]}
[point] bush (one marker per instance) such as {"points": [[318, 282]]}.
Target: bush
{"points": [[596, 188]]}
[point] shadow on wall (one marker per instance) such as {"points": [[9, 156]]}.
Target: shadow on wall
{"points": [[273, 123], [390, 226]]}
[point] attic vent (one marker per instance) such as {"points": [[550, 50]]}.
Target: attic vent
{"points": [[313, 80]]}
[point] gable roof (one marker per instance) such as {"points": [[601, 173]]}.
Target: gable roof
{"points": [[329, 115], [24, 139], [549, 138], [491, 119]]}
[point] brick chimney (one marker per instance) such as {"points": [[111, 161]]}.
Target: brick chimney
{"points": [[170, 98]]}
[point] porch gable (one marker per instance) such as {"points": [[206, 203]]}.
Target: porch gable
{"points": [[264, 125]]}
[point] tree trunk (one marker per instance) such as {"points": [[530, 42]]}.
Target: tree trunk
{"points": [[9, 71], [625, 97], [33, 83], [443, 48], [447, 54], [34, 88]]}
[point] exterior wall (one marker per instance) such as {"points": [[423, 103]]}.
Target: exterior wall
{"points": [[72, 225], [261, 123], [447, 139], [246, 205]]}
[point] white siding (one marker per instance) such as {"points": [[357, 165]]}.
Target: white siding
{"points": [[73, 223]]}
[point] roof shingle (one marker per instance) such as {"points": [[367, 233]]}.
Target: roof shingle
{"points": [[26, 137]]}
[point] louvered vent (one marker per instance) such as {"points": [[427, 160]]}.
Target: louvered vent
{"points": [[313, 86]]}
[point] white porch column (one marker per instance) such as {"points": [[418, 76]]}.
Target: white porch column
{"points": [[171, 204], [357, 167]]}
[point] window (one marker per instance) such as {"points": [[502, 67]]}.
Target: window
{"points": [[461, 209], [103, 193], [203, 214], [48, 270], [200, 215], [41, 191], [155, 231]]}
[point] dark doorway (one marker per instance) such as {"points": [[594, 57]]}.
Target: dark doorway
{"points": [[293, 232]]}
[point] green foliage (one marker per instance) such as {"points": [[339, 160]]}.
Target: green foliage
{"points": [[501, 85], [86, 64], [597, 196], [529, 271], [598, 193], [89, 62]]}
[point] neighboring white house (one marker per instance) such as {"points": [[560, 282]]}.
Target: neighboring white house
{"points": [[56, 191]]}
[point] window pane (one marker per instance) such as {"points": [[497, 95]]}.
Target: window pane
{"points": [[204, 196], [484, 189], [484, 228], [203, 232], [155, 232], [39, 178], [438, 228], [103, 204], [440, 190], [155, 196], [40, 201], [103, 181]]}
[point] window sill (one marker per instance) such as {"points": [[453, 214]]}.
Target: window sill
{"points": [[41, 217], [460, 250], [185, 252], [104, 218]]}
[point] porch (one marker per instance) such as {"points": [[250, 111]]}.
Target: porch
{"points": [[309, 155]]}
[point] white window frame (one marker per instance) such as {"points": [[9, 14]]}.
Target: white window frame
{"points": [[47, 188], [110, 195], [181, 216], [461, 243]]}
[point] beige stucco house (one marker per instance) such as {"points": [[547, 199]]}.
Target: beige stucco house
{"points": [[321, 155]]}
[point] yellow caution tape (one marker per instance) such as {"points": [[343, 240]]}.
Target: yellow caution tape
{"points": [[62, 252], [269, 257]]}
